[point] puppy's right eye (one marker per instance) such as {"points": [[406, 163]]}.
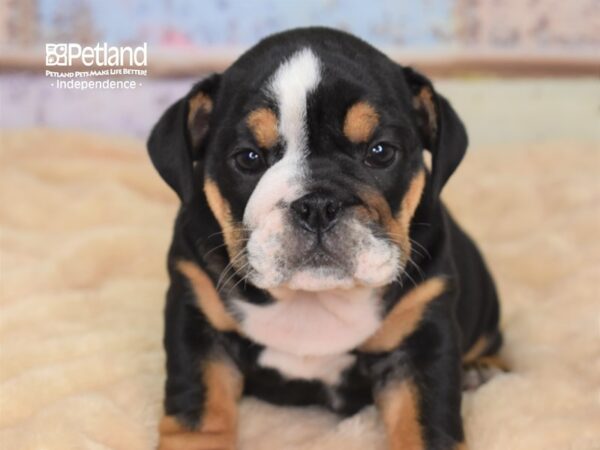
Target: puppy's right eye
{"points": [[249, 161]]}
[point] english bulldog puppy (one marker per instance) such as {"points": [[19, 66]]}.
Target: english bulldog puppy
{"points": [[312, 261]]}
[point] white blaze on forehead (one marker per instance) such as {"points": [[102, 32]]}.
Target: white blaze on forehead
{"points": [[289, 87]]}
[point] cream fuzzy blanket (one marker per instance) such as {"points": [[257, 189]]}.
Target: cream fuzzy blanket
{"points": [[85, 227]]}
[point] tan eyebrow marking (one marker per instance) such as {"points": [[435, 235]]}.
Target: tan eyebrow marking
{"points": [[263, 125], [360, 122]]}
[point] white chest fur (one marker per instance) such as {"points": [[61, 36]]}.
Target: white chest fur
{"points": [[304, 323], [326, 368]]}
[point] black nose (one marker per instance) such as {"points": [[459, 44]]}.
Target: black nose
{"points": [[317, 212]]}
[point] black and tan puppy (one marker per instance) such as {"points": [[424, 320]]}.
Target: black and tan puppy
{"points": [[313, 262]]}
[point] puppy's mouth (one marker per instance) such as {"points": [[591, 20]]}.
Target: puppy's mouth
{"points": [[321, 257], [319, 265], [320, 269]]}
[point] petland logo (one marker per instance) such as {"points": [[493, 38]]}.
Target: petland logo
{"points": [[104, 63], [100, 55]]}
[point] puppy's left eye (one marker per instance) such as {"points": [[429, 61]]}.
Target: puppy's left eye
{"points": [[380, 156], [249, 161]]}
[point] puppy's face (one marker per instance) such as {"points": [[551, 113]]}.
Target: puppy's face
{"points": [[312, 163], [321, 177]]}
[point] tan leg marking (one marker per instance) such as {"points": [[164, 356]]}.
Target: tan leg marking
{"points": [[263, 124], [482, 369], [476, 350], [218, 427], [224, 389], [398, 405], [360, 122], [207, 297], [404, 318], [492, 361], [232, 234], [475, 355]]}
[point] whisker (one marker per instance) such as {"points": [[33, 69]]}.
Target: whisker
{"points": [[413, 242], [222, 245], [410, 278], [213, 249], [233, 274], [234, 226], [422, 247], [243, 278], [224, 278], [416, 266], [229, 267]]}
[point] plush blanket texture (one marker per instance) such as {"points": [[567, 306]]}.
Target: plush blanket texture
{"points": [[85, 227]]}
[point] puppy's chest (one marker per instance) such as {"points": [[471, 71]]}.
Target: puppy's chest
{"points": [[310, 335], [327, 369]]}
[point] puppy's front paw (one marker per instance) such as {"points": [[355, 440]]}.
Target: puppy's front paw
{"points": [[212, 435]]}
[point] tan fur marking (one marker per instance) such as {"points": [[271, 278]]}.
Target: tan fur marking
{"points": [[376, 209], [461, 446], [174, 436], [398, 227], [360, 122], [263, 124], [207, 297], [404, 318], [398, 405], [218, 427], [411, 201], [200, 102], [492, 361], [424, 101], [232, 234], [224, 388], [476, 350]]}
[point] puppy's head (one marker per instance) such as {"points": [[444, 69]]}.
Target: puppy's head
{"points": [[309, 152]]}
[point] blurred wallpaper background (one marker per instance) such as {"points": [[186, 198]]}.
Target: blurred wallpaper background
{"points": [[467, 44], [85, 221], [532, 25]]}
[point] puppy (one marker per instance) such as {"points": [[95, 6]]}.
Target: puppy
{"points": [[312, 261]]}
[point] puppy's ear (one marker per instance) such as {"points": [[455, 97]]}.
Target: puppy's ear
{"points": [[176, 141], [442, 131]]}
